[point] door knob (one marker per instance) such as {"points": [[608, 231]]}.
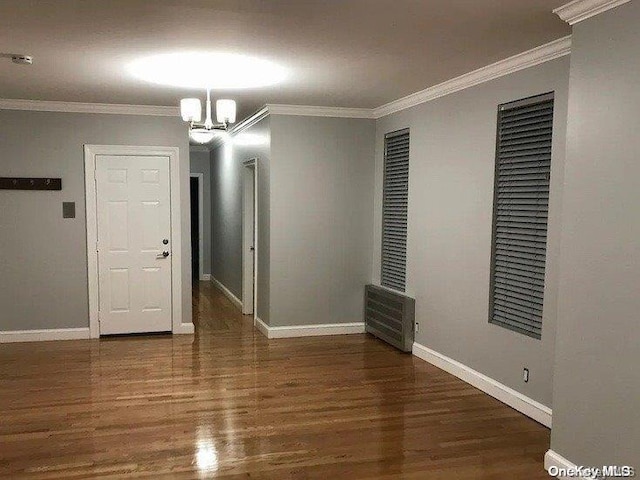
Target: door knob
{"points": [[164, 254], [252, 248]]}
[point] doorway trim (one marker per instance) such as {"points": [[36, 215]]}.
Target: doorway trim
{"points": [[247, 287], [200, 177], [90, 153]]}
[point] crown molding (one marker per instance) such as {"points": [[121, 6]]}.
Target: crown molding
{"points": [[241, 126], [313, 111], [296, 110], [77, 107], [579, 10], [250, 121], [544, 53]]}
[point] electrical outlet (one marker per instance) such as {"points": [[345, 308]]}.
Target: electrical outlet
{"points": [[417, 327], [525, 375]]}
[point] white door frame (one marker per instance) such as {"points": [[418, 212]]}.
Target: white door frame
{"points": [[250, 286], [90, 153], [200, 177]]}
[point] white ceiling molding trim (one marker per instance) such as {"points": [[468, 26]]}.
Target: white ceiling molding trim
{"points": [[245, 124], [250, 121], [579, 10], [76, 107], [311, 111], [544, 53]]}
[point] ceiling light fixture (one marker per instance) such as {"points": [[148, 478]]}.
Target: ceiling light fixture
{"points": [[221, 71], [191, 111]]}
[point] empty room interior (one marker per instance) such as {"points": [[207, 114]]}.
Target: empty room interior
{"points": [[301, 239]]}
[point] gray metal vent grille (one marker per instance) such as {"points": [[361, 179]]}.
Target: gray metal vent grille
{"points": [[521, 206], [389, 316], [394, 210]]}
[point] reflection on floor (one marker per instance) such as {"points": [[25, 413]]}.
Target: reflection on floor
{"points": [[227, 403]]}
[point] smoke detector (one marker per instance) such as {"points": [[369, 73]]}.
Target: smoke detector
{"points": [[22, 59]]}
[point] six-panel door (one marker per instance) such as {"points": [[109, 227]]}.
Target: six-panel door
{"points": [[134, 243]]}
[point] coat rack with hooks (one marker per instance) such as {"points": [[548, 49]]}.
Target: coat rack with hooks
{"points": [[20, 183]]}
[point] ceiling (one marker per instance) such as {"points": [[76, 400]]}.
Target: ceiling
{"points": [[347, 53]]}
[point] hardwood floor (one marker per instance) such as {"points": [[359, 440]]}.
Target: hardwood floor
{"points": [[227, 403]]}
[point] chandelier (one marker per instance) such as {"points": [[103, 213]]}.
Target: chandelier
{"points": [[191, 111]]}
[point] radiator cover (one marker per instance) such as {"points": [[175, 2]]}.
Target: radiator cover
{"points": [[389, 316]]}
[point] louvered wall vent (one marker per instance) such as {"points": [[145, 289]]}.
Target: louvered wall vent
{"points": [[389, 316]]}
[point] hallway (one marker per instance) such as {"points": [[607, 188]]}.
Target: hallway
{"points": [[227, 403]]}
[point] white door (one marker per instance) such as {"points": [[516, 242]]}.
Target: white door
{"points": [[134, 235]]}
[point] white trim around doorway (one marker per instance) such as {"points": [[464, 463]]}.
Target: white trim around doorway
{"points": [[90, 153], [247, 288]]}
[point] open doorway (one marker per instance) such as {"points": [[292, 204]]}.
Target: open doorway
{"points": [[197, 230], [249, 236]]}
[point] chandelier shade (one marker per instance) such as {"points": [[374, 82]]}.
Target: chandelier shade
{"points": [[226, 111], [201, 135], [191, 109]]}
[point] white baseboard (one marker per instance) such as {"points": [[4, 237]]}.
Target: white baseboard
{"points": [[553, 459], [235, 300], [262, 327], [309, 330], [540, 413], [15, 336], [184, 329], [206, 277], [44, 335]]}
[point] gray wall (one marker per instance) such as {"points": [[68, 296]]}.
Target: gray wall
{"points": [[200, 163], [43, 259], [226, 210], [452, 160], [597, 388], [322, 179]]}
